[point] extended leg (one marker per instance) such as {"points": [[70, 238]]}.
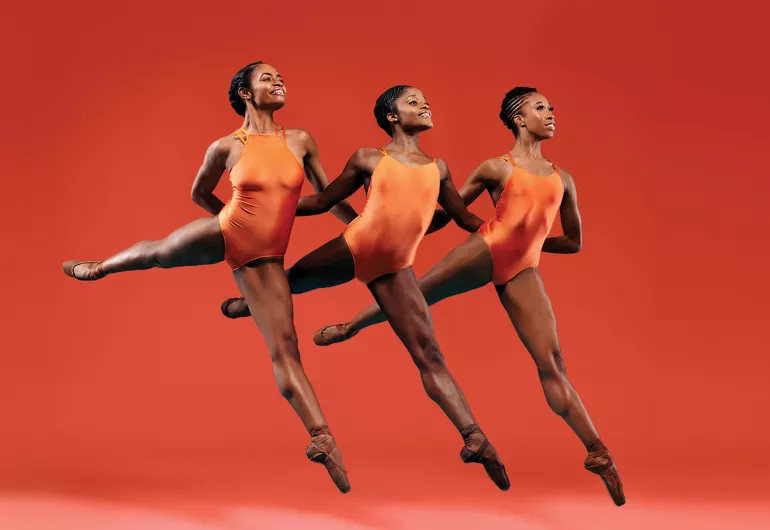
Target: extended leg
{"points": [[266, 291], [527, 304], [467, 267], [197, 243], [329, 265], [401, 300]]}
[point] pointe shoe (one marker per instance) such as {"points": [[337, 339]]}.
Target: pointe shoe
{"points": [[323, 450], [600, 463], [225, 307], [485, 455], [90, 275], [328, 335]]}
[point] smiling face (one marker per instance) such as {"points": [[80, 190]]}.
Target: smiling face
{"points": [[412, 111], [536, 116], [267, 89]]}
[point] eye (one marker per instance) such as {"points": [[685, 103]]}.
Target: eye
{"points": [[413, 102], [541, 107]]}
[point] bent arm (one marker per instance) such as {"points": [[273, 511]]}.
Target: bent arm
{"points": [[317, 178], [454, 204], [572, 240], [351, 178], [477, 182], [214, 164]]}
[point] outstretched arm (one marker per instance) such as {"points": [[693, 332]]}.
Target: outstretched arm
{"points": [[317, 178], [454, 204], [572, 240], [351, 178], [208, 176]]}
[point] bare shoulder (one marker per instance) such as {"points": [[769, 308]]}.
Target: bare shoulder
{"points": [[566, 176], [220, 149], [366, 158], [301, 138], [494, 169], [299, 134]]}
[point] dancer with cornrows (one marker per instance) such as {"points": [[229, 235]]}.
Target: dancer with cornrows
{"points": [[527, 191]]}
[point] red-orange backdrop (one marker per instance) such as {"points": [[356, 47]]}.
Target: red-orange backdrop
{"points": [[136, 390]]}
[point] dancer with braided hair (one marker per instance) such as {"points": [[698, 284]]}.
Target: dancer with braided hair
{"points": [[527, 190], [378, 248], [267, 167]]}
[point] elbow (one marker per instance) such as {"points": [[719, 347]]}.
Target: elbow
{"points": [[577, 245], [196, 196]]}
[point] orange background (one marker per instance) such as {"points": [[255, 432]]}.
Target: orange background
{"points": [[132, 403]]}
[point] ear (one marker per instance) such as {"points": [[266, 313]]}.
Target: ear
{"points": [[392, 118], [519, 121], [245, 93]]}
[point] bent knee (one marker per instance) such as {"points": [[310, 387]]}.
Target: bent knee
{"points": [[551, 364], [285, 347], [154, 253], [427, 354], [162, 259]]}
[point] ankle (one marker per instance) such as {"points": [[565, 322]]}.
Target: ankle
{"points": [[596, 446], [472, 433], [318, 431]]}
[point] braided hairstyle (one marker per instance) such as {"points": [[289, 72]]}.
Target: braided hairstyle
{"points": [[512, 103], [386, 104], [241, 79]]}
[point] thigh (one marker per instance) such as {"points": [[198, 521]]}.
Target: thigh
{"points": [[266, 291], [400, 298], [329, 265], [529, 308], [467, 267], [197, 243]]}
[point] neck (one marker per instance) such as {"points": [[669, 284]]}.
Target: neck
{"points": [[405, 142], [527, 147], [258, 121]]}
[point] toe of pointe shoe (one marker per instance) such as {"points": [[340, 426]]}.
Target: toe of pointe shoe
{"points": [[498, 474], [327, 335], [495, 470], [69, 268], [226, 305], [608, 472], [333, 464], [614, 485]]}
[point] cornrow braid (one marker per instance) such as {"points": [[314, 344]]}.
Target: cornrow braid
{"points": [[511, 107]]}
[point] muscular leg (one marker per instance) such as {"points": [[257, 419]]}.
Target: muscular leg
{"points": [[329, 265], [467, 267], [527, 304], [266, 291], [407, 311], [196, 243]]}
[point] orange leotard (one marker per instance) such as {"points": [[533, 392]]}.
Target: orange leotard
{"points": [[523, 218], [398, 211], [267, 180]]}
